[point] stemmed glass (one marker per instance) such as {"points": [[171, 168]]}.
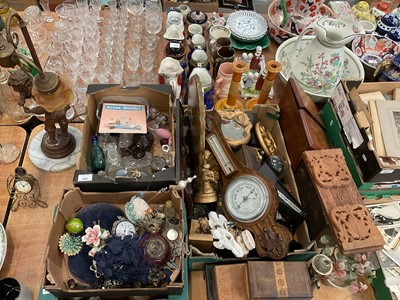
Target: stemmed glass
{"points": [[147, 63], [153, 25], [95, 5], [47, 14], [136, 7]]}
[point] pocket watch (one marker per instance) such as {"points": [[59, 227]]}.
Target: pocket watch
{"points": [[248, 197], [123, 227], [24, 189]]}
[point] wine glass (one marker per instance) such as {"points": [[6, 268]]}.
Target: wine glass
{"points": [[95, 6], [47, 14], [153, 25], [135, 7]]}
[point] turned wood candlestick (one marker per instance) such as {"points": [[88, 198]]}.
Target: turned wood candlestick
{"points": [[231, 102], [273, 68]]}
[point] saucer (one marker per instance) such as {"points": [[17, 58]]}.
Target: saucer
{"points": [[250, 46]]}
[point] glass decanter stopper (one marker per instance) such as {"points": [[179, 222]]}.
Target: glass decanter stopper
{"points": [[97, 158]]}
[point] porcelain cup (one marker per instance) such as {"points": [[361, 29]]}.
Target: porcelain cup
{"points": [[224, 54], [216, 32], [194, 29], [223, 80]]}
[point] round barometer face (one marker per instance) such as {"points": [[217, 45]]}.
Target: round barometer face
{"points": [[246, 198]]}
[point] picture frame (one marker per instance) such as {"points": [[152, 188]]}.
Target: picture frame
{"points": [[236, 4], [389, 121], [385, 214]]}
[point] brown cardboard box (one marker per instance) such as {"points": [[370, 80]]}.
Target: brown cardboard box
{"points": [[203, 242], [56, 263], [158, 96]]}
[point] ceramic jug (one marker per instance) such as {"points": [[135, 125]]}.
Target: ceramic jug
{"points": [[319, 66], [223, 80], [170, 72], [206, 85]]}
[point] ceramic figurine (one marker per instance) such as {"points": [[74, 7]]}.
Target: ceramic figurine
{"points": [[247, 57], [255, 61], [170, 72]]}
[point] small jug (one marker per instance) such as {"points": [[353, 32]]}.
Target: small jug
{"points": [[224, 54], [206, 84], [223, 80], [170, 72], [198, 59]]}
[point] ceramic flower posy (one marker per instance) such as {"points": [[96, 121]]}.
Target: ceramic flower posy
{"points": [[94, 237]]}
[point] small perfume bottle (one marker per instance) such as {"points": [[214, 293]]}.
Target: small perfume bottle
{"points": [[113, 163], [97, 158]]}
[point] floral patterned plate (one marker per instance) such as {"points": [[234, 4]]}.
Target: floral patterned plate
{"points": [[3, 245], [371, 49], [352, 66], [247, 25]]}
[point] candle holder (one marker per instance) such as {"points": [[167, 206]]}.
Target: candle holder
{"points": [[53, 93], [231, 102], [273, 68]]}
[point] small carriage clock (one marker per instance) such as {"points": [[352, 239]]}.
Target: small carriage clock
{"points": [[248, 197], [25, 190]]}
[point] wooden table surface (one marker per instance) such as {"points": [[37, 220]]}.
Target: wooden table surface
{"points": [[28, 228], [9, 135]]}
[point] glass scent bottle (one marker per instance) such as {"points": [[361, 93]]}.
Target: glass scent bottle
{"points": [[255, 61], [104, 139], [97, 158], [113, 162]]}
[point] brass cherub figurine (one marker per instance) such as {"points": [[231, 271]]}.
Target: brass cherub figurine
{"points": [[209, 180]]}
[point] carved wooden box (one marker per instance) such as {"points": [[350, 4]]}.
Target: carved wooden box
{"points": [[349, 220]]}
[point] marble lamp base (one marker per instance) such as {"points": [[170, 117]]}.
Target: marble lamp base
{"points": [[41, 161]]}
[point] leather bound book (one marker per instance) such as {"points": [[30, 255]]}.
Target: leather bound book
{"points": [[279, 280]]}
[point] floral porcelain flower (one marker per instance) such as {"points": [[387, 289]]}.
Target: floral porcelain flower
{"points": [[357, 287], [93, 235]]}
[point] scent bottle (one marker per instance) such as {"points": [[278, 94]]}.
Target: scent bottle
{"points": [[97, 158], [113, 163]]}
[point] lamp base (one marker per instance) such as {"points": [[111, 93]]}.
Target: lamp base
{"points": [[64, 146], [41, 161], [205, 197]]}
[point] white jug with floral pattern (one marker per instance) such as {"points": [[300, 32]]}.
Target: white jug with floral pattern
{"points": [[319, 66]]}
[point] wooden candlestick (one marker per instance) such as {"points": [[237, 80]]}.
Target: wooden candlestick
{"points": [[273, 68], [231, 102]]}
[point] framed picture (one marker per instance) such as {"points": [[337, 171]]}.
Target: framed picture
{"points": [[389, 120], [236, 4]]}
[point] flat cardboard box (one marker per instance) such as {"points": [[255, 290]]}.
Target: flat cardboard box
{"points": [[56, 262], [158, 96]]}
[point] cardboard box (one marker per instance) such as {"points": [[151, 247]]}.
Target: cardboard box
{"points": [[158, 96], [202, 241], [366, 167], [207, 7], [56, 262]]}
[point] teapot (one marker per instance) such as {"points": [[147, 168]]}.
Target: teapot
{"points": [[319, 66]]}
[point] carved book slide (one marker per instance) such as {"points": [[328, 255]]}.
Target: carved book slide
{"points": [[350, 221]]}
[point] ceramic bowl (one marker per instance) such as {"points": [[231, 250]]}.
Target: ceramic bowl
{"points": [[275, 17], [352, 65], [371, 49]]}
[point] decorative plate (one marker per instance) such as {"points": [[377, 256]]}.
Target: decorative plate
{"points": [[352, 65], [247, 25], [371, 49], [3, 245], [250, 45]]}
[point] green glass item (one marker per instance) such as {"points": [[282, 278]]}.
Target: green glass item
{"points": [[97, 157]]}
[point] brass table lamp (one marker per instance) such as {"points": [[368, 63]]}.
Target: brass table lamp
{"points": [[53, 93]]}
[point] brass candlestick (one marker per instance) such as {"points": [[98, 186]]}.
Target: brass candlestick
{"points": [[231, 102], [273, 68]]}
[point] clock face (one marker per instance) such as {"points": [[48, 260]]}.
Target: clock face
{"points": [[125, 228], [246, 198], [23, 186]]}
